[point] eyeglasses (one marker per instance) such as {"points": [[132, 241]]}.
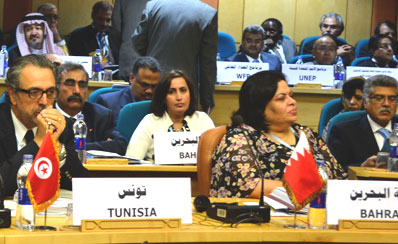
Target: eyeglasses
{"points": [[381, 99], [146, 85], [257, 41], [70, 83], [324, 49], [327, 26], [385, 46], [36, 93]]}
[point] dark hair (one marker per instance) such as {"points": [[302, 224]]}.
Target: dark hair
{"points": [[333, 16], [69, 66], [388, 23], [253, 29], [277, 22], [159, 105], [103, 5], [378, 80], [352, 85], [146, 62], [374, 41], [45, 6], [255, 94]]}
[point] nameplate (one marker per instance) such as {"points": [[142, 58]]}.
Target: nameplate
{"points": [[176, 147], [85, 61], [311, 74], [131, 198], [237, 71], [361, 199], [367, 72]]}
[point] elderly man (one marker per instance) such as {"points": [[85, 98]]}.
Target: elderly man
{"points": [[33, 37], [85, 41], [325, 51], [252, 46], [26, 117], [332, 24], [275, 43], [72, 83], [50, 11], [356, 142], [143, 80]]}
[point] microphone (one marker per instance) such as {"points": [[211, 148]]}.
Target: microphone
{"points": [[5, 213], [201, 203]]}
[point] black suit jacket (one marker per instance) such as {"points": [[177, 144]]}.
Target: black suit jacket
{"points": [[115, 101], [272, 60], [11, 159], [100, 127], [352, 142]]}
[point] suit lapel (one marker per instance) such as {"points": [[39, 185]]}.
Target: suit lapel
{"points": [[367, 137], [8, 141]]}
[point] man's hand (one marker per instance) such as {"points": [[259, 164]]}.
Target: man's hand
{"points": [[49, 119], [346, 50], [57, 36], [370, 162], [269, 42]]}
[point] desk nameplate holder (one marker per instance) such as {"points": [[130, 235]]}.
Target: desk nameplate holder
{"points": [[107, 161], [376, 225], [309, 85], [130, 224]]}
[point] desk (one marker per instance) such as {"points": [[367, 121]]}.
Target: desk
{"points": [[365, 173], [146, 171]]}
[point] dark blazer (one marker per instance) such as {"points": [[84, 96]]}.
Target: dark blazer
{"points": [[352, 142], [100, 127], [274, 63], [289, 49], [11, 159], [370, 63], [116, 100]]}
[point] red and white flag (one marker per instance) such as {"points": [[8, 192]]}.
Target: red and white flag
{"points": [[301, 178], [43, 177]]}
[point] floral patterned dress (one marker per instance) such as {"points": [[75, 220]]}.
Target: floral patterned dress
{"points": [[235, 173]]}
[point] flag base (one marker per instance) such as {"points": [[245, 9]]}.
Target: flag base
{"points": [[45, 228], [294, 226]]}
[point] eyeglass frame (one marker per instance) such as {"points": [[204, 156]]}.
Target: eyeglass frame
{"points": [[79, 83], [381, 99], [29, 92], [145, 85]]}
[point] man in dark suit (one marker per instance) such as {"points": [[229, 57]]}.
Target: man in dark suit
{"points": [[85, 41], [143, 80], [356, 142], [182, 35], [252, 46], [26, 117], [72, 82], [275, 43]]}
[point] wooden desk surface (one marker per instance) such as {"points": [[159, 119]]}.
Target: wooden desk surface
{"points": [[355, 173], [150, 168]]}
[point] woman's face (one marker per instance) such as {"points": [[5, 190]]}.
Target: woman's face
{"points": [[178, 97], [282, 109], [384, 51]]}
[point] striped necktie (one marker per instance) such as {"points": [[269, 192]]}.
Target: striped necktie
{"points": [[386, 134]]}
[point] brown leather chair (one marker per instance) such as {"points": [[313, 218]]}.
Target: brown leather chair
{"points": [[207, 143]]}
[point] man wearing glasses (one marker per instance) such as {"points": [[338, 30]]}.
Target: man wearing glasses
{"points": [[72, 82], [27, 115], [356, 142], [325, 51], [251, 50]]}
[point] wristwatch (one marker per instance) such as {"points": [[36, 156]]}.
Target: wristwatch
{"points": [[62, 156]]}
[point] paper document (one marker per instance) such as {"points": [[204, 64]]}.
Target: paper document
{"points": [[103, 154]]}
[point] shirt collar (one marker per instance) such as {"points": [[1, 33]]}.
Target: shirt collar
{"points": [[64, 113], [251, 59], [375, 126]]}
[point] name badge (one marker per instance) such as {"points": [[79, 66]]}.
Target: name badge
{"points": [[361, 199], [237, 71], [85, 61], [176, 147], [131, 198], [309, 74], [367, 72]]}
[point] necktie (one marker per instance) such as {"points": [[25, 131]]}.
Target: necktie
{"points": [[255, 61], [29, 137], [103, 44], [386, 134]]}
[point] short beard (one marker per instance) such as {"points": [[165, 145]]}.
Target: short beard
{"points": [[36, 45]]}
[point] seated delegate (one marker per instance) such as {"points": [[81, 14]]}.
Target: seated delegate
{"points": [[266, 121], [381, 48], [174, 109]]}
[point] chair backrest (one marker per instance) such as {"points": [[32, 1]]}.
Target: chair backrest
{"points": [[94, 95], [341, 117], [207, 143], [359, 46], [286, 37], [309, 41], [356, 61], [3, 97], [305, 57], [226, 45], [329, 110], [130, 116]]}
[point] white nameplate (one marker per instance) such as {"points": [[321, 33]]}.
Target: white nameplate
{"points": [[125, 198], [176, 147], [237, 71], [309, 74], [367, 72], [361, 199], [86, 61]]}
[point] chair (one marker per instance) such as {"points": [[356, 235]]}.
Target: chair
{"points": [[310, 41], [10, 48], [286, 37], [226, 46], [94, 95], [3, 97], [130, 116], [329, 110], [361, 44], [356, 61], [341, 117], [207, 143], [305, 57]]}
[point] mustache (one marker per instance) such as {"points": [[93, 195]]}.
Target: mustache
{"points": [[382, 110], [75, 97]]}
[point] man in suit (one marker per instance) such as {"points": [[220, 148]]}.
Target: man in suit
{"points": [[325, 51], [252, 46], [275, 43], [72, 83], [143, 80], [356, 142], [85, 41], [125, 17], [26, 117], [182, 35]]}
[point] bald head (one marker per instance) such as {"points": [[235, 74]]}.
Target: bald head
{"points": [[325, 50]]}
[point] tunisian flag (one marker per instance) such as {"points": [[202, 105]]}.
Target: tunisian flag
{"points": [[43, 177], [301, 178]]}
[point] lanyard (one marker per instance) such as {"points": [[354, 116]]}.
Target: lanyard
{"points": [[184, 127], [282, 142]]}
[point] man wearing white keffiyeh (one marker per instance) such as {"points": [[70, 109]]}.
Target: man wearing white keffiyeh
{"points": [[34, 37]]}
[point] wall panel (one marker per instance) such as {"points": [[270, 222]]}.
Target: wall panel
{"points": [[230, 17], [37, 3], [358, 21]]}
